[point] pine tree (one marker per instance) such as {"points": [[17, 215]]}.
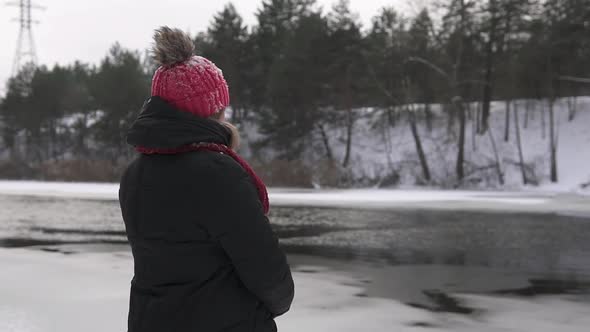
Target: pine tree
{"points": [[14, 109], [118, 88], [277, 19], [297, 87], [347, 70], [385, 58], [420, 45], [225, 44]]}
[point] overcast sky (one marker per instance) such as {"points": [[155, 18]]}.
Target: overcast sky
{"points": [[85, 29]]}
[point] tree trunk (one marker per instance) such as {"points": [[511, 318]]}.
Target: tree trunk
{"points": [[572, 105], [451, 114], [390, 116], [55, 148], [543, 124], [349, 124], [485, 112], [428, 116], [398, 116], [552, 141], [496, 158], [235, 115], [519, 146], [9, 138], [81, 136], [474, 125], [507, 122], [527, 110], [419, 149], [326, 142], [459, 167], [478, 116], [348, 95], [489, 68]]}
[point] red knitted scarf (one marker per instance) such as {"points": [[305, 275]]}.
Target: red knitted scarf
{"points": [[262, 192]]}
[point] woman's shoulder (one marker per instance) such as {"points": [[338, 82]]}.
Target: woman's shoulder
{"points": [[215, 165]]}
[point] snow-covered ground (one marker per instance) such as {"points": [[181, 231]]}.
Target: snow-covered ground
{"points": [[380, 150], [527, 201], [51, 292]]}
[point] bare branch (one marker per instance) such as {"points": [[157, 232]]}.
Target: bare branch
{"points": [[429, 64], [480, 82], [379, 84], [575, 79]]}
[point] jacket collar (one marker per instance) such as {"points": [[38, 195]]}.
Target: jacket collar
{"points": [[161, 126]]}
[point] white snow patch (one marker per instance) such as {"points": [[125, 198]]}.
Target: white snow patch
{"points": [[60, 189], [525, 201], [89, 292], [51, 292], [383, 196], [285, 196]]}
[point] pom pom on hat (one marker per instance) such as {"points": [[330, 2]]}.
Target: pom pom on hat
{"points": [[190, 83], [171, 46]]}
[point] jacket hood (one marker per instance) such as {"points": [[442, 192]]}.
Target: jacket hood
{"points": [[162, 126]]}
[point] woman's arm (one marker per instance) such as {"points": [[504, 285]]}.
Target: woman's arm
{"points": [[246, 236]]}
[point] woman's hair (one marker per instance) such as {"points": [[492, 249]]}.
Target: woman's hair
{"points": [[235, 133]]}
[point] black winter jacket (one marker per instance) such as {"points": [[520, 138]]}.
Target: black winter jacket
{"points": [[205, 257]]}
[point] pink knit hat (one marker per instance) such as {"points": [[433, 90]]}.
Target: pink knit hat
{"points": [[188, 82]]}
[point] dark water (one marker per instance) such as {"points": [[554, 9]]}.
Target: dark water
{"points": [[437, 252]]}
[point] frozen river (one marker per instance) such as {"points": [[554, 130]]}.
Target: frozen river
{"points": [[442, 260]]}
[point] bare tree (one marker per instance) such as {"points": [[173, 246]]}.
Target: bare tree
{"points": [[543, 122], [553, 139], [572, 106], [349, 127], [474, 126], [507, 121], [490, 55], [349, 118], [460, 107], [519, 145], [409, 105], [418, 143], [326, 142], [497, 160], [527, 111], [572, 101]]}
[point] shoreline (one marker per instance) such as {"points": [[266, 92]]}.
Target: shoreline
{"points": [[526, 201]]}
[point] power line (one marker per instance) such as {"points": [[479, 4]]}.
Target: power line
{"points": [[26, 52]]}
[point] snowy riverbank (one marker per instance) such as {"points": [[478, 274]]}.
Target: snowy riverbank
{"points": [[515, 201]]}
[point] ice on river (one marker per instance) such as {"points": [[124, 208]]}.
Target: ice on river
{"points": [[52, 292]]}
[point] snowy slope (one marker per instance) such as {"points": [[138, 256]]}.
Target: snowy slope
{"points": [[379, 150]]}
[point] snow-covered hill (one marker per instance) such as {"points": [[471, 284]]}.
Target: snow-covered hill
{"points": [[382, 152]]}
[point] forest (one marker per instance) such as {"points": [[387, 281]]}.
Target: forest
{"points": [[303, 78]]}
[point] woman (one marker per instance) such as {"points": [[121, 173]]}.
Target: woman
{"points": [[205, 256]]}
